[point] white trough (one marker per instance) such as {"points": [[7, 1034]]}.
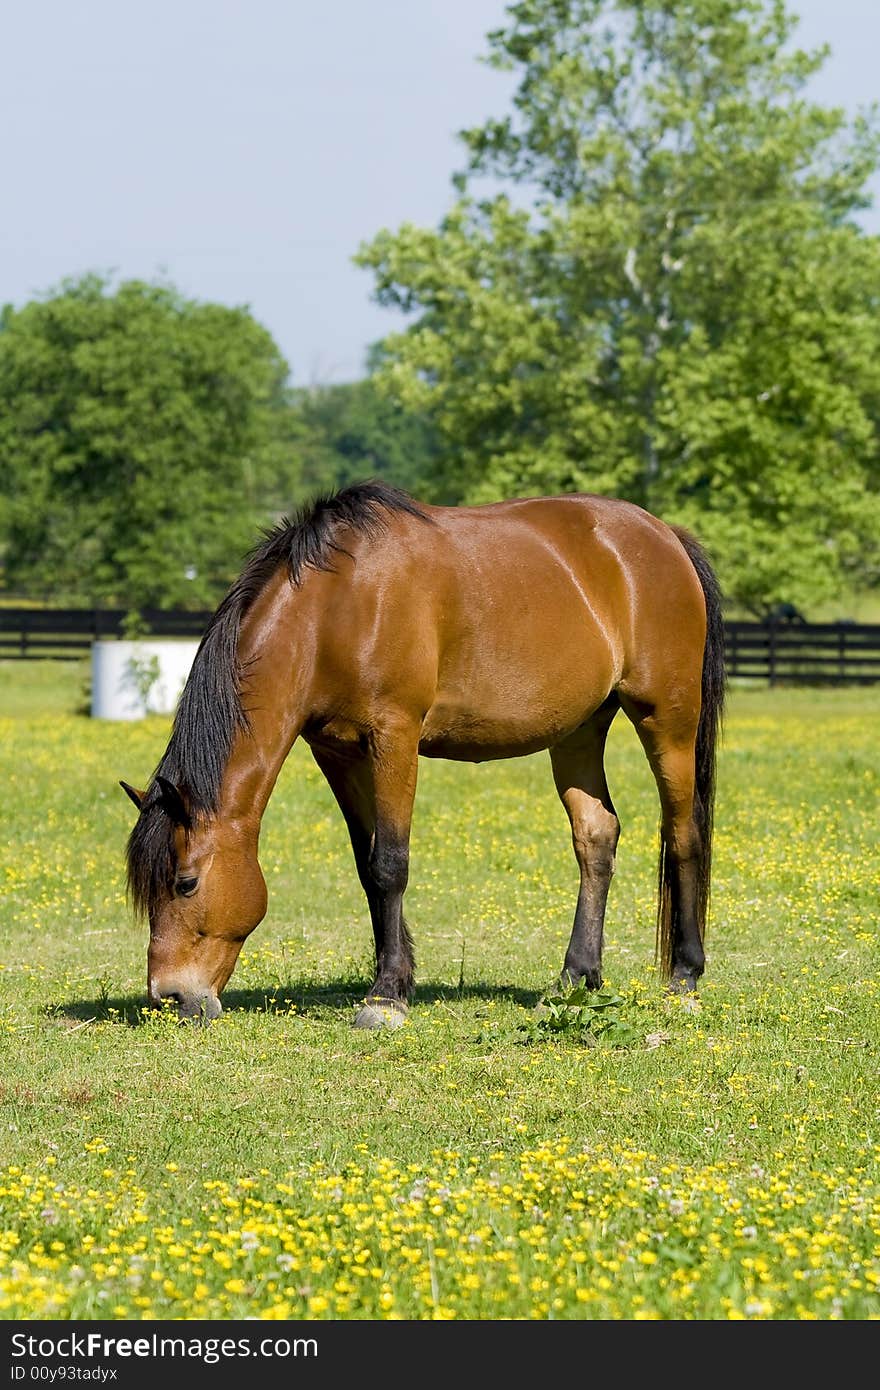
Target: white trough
{"points": [[133, 679]]}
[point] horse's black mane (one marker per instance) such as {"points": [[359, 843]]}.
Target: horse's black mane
{"points": [[210, 711]]}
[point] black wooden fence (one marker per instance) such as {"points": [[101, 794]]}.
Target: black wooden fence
{"points": [[778, 653], [65, 633], [804, 653]]}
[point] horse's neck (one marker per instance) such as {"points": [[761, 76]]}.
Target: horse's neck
{"points": [[273, 693]]}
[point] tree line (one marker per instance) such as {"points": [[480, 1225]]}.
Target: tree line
{"points": [[652, 282]]}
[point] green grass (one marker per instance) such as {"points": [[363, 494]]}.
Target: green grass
{"points": [[723, 1163]]}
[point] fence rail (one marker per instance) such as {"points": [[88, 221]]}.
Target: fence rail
{"points": [[804, 653], [779, 653], [65, 633]]}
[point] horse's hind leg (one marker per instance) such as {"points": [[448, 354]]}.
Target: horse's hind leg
{"points": [[668, 736], [579, 773]]}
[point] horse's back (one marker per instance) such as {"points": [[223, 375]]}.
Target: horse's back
{"points": [[506, 625]]}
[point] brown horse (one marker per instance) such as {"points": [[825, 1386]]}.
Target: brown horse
{"points": [[378, 629]]}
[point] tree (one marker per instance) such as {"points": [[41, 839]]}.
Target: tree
{"points": [[350, 431], [141, 443], [673, 302]]}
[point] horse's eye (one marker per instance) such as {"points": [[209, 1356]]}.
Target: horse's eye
{"points": [[185, 887]]}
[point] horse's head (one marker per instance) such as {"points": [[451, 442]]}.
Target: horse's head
{"points": [[207, 897]]}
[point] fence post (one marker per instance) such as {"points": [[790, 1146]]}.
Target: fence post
{"points": [[772, 654], [23, 635], [841, 650]]}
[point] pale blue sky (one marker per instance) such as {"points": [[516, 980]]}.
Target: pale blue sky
{"points": [[244, 148]]}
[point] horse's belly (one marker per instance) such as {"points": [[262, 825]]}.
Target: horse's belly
{"points": [[479, 746], [511, 720]]}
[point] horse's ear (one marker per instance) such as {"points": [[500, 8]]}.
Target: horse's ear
{"points": [[136, 796], [173, 803]]}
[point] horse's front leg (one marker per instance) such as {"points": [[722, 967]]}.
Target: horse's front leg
{"points": [[394, 767], [375, 793]]}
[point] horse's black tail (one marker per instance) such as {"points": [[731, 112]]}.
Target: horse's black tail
{"points": [[708, 731]]}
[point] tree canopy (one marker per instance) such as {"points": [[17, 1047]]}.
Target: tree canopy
{"points": [[664, 295], [142, 440]]}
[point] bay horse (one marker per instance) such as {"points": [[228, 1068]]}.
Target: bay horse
{"points": [[379, 629]]}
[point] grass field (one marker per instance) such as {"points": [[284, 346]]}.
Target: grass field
{"points": [[721, 1162]]}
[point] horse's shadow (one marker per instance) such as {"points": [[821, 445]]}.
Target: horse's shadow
{"points": [[302, 1000]]}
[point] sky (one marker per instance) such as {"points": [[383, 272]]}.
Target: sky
{"points": [[244, 149]]}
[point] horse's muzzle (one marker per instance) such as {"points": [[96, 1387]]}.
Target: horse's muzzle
{"points": [[192, 1006]]}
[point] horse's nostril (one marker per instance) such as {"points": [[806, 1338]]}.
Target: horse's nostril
{"points": [[210, 1008], [197, 1007]]}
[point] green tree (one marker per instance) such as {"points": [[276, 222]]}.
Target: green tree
{"points": [[141, 443], [351, 431], [672, 301]]}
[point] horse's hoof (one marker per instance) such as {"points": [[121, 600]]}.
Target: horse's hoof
{"points": [[570, 980], [381, 1013], [682, 984], [684, 989]]}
